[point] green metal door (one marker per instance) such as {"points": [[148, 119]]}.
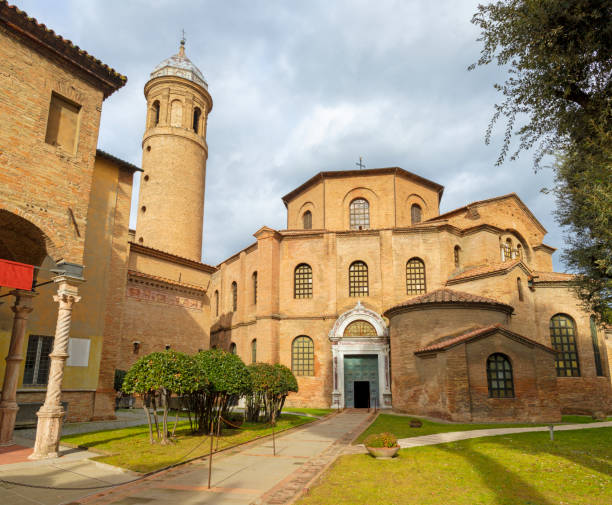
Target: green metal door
{"points": [[359, 368]]}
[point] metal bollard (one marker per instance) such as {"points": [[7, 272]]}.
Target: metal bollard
{"points": [[551, 430]]}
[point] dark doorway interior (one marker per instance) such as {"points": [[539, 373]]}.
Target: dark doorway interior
{"points": [[362, 394]]}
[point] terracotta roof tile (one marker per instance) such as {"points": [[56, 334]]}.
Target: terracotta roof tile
{"points": [[445, 295], [452, 340], [552, 277], [19, 21], [485, 269], [136, 273]]}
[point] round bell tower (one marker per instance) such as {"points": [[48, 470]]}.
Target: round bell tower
{"points": [[174, 153]]}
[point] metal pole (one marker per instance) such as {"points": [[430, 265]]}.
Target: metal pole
{"points": [[210, 456], [218, 430], [273, 442], [551, 430]]}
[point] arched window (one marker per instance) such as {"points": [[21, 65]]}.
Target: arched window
{"points": [[155, 115], [359, 213], [415, 276], [415, 214], [217, 303], [196, 119], [499, 376], [457, 255], [302, 282], [302, 356], [307, 220], [254, 277], [519, 288], [519, 251], [176, 113], [358, 279], [234, 296], [232, 348], [563, 340], [596, 353], [360, 328], [254, 350]]}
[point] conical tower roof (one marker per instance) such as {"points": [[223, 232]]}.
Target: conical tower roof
{"points": [[181, 66]]}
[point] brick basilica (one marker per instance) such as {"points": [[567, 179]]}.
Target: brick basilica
{"points": [[370, 295]]}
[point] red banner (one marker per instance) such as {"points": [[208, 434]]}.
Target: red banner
{"points": [[16, 275]]}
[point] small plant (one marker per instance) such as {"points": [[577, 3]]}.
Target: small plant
{"points": [[386, 440]]}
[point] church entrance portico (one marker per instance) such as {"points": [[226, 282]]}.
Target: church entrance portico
{"points": [[360, 354]]}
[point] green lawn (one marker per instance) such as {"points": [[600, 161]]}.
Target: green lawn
{"points": [[521, 469], [312, 412], [400, 426], [130, 448]]}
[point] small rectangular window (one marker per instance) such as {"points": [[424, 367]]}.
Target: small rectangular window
{"points": [[63, 123], [37, 362]]}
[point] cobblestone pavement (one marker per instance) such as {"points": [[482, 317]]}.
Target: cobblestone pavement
{"points": [[249, 474], [442, 438]]}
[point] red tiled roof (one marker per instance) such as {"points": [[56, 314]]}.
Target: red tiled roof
{"points": [[452, 340], [173, 258], [552, 277], [448, 296], [136, 273], [18, 21], [122, 164], [488, 268]]}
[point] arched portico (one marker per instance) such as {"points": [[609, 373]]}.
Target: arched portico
{"points": [[360, 354]]}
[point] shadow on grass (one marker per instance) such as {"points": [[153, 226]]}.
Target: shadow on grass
{"points": [[507, 486]]}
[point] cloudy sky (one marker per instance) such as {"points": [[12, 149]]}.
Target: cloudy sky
{"points": [[300, 87]]}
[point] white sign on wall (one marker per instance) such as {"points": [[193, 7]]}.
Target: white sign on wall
{"points": [[78, 349]]}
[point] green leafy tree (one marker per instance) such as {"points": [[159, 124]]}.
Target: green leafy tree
{"points": [[270, 386], [559, 59], [227, 380], [156, 377]]}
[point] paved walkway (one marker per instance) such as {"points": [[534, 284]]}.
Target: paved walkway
{"points": [[442, 438], [245, 475]]}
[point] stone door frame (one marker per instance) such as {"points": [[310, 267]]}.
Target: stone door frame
{"points": [[355, 346]]}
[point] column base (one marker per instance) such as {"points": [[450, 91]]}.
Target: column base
{"points": [[48, 433], [8, 414]]}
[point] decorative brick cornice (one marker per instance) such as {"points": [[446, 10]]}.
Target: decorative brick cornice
{"points": [[162, 282]]}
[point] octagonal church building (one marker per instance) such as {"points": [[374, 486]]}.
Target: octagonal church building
{"points": [[370, 295]]}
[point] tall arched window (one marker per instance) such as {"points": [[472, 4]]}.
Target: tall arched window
{"points": [[596, 353], [302, 356], [232, 348], [519, 251], [254, 350], [307, 220], [217, 303], [302, 281], [358, 279], [563, 340], [359, 214], [254, 278], [415, 276], [499, 376], [457, 256], [415, 214], [234, 296], [155, 115], [519, 288], [197, 113]]}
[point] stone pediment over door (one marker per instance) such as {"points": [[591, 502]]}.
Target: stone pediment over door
{"points": [[354, 319]]}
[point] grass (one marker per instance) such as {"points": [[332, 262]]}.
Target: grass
{"points": [[521, 469], [130, 448], [311, 411], [400, 426]]}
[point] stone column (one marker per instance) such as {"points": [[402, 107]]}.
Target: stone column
{"points": [[50, 415], [8, 405]]}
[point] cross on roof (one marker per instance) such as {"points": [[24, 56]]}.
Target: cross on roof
{"points": [[183, 38], [361, 164]]}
